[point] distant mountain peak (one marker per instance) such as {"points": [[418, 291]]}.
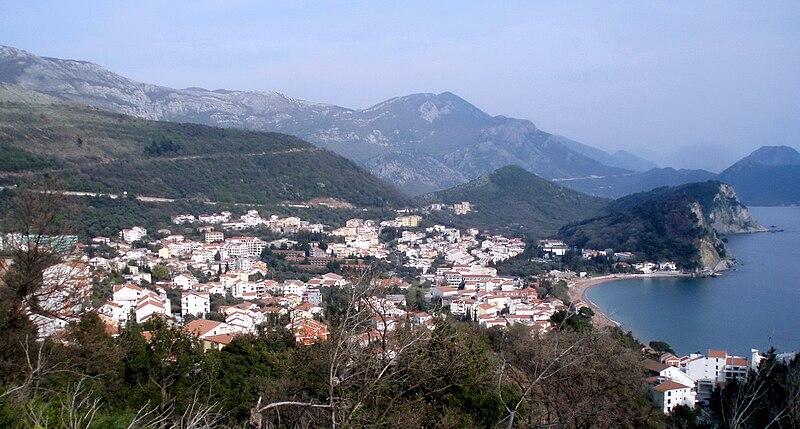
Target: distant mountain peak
{"points": [[769, 176], [401, 139], [775, 156], [428, 106]]}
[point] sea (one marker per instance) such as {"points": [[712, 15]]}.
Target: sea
{"points": [[755, 305]]}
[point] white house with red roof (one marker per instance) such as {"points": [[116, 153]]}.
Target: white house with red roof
{"points": [[185, 281], [127, 295], [202, 328], [308, 331], [195, 303], [149, 305], [244, 321], [668, 394], [116, 312]]}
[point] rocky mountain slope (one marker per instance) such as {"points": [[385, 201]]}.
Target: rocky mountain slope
{"points": [[514, 200], [420, 142], [682, 223], [97, 151], [770, 176]]}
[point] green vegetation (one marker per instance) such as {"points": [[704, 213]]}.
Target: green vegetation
{"points": [[96, 151], [659, 225], [161, 146], [14, 159], [515, 201]]}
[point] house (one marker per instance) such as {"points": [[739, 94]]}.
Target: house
{"points": [[196, 303], [713, 369], [116, 312], [444, 291], [202, 328], [667, 372], [185, 281], [214, 236], [306, 310], [149, 305], [244, 321], [308, 331], [489, 321], [129, 235], [127, 295], [670, 359], [217, 342], [668, 394]]}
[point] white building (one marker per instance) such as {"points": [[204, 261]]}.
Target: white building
{"points": [[129, 235], [669, 394], [196, 303]]}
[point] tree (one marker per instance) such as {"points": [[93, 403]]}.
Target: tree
{"points": [[36, 286], [570, 379], [161, 273], [661, 347], [406, 376]]}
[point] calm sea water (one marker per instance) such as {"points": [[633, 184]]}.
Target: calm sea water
{"points": [[755, 305]]}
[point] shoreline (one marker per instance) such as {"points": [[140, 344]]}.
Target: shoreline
{"points": [[578, 290]]}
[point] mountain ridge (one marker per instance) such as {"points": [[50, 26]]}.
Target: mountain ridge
{"points": [[97, 151], [769, 176], [437, 128]]}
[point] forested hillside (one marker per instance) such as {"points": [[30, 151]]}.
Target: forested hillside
{"points": [[514, 200], [96, 151]]}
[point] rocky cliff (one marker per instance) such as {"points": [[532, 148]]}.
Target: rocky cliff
{"points": [[727, 215], [683, 223]]}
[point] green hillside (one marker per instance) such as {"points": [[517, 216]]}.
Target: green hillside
{"points": [[660, 225], [93, 150], [511, 199]]}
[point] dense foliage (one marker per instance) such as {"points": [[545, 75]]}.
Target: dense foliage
{"points": [[92, 150], [659, 225], [513, 200]]}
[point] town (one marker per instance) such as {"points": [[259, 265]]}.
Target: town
{"points": [[216, 282]]}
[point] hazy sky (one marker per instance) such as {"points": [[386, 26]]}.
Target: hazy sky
{"points": [[652, 77]]}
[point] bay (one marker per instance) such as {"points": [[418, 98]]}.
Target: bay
{"points": [[754, 305]]}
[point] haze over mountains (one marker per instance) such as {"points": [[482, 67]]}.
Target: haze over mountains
{"points": [[420, 142]]}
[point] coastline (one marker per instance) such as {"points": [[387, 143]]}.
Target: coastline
{"points": [[578, 290]]}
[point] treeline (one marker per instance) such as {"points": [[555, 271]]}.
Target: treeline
{"points": [[453, 376]]}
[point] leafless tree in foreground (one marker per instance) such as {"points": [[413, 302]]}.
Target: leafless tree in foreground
{"points": [[373, 361], [35, 240], [569, 380]]}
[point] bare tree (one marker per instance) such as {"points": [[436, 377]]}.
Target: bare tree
{"points": [[569, 380], [37, 288], [363, 358]]}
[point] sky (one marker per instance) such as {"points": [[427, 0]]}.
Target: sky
{"points": [[684, 83]]}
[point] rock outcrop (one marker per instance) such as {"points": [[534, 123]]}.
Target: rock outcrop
{"points": [[683, 223], [727, 215]]}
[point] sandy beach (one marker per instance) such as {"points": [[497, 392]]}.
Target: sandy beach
{"points": [[577, 292]]}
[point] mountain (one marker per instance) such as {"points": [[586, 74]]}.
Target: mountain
{"points": [[770, 176], [620, 158], [400, 139], [512, 199], [681, 224], [626, 184], [97, 151]]}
